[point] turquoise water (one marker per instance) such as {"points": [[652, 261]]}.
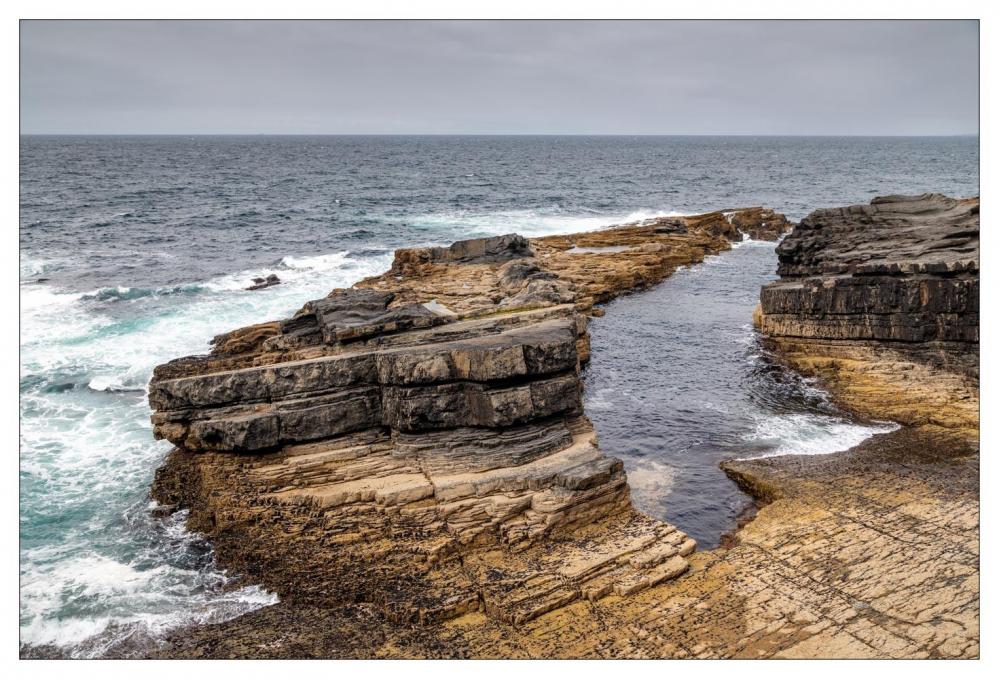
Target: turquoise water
{"points": [[96, 568], [135, 250]]}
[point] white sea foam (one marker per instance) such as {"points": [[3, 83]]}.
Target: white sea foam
{"points": [[33, 266], [49, 316], [532, 223], [114, 600], [650, 481], [87, 450], [748, 241], [811, 434]]}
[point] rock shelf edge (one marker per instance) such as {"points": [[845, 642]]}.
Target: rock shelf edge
{"points": [[407, 463]]}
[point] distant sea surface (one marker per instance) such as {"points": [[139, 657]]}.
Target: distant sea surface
{"points": [[135, 250]]}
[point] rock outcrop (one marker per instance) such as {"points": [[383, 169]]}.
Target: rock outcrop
{"points": [[418, 442], [431, 530], [902, 270], [880, 303]]}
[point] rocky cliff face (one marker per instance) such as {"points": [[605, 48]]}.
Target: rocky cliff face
{"points": [[902, 270], [880, 303], [418, 442]]}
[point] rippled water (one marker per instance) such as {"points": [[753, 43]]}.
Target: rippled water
{"points": [[135, 250], [680, 381]]}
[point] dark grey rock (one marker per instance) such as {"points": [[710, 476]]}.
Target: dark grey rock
{"points": [[261, 283], [901, 269], [245, 433], [516, 273], [468, 449], [352, 314], [494, 249]]}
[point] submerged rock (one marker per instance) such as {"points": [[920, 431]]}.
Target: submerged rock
{"points": [[261, 283]]}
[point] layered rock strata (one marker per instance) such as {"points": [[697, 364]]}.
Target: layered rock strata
{"points": [[882, 302], [901, 271], [870, 553], [417, 442]]}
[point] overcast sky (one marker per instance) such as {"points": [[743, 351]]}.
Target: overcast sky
{"points": [[502, 77]]}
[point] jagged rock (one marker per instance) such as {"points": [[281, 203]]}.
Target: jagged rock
{"points": [[733, 225], [925, 234], [515, 274], [902, 269], [352, 314], [261, 283], [474, 251]]}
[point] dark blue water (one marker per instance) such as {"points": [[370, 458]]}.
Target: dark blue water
{"points": [[681, 382], [135, 250], [154, 211]]}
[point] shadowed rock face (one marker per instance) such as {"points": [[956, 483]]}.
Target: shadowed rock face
{"points": [[418, 441], [902, 269]]}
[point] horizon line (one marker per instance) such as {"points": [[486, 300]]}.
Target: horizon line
{"points": [[472, 134]]}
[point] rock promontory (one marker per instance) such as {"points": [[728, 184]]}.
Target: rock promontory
{"points": [[407, 463], [417, 443], [902, 270], [891, 284]]}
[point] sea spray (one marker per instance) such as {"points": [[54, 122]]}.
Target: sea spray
{"points": [[96, 567]]}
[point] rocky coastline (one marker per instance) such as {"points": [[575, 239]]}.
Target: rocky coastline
{"points": [[407, 463]]}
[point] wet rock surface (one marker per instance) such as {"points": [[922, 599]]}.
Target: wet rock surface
{"points": [[261, 283]]}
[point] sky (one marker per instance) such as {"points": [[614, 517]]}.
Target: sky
{"points": [[499, 77]]}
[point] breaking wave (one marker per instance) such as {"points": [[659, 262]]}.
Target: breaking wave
{"points": [[102, 570]]}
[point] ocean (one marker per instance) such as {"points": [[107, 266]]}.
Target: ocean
{"points": [[135, 250]]}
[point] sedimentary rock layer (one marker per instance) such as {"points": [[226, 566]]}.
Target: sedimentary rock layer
{"points": [[417, 442], [901, 269], [520, 542]]}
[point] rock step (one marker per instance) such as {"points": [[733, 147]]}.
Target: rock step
{"points": [[396, 489]]}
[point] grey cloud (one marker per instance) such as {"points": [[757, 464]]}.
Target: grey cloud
{"points": [[617, 77]]}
